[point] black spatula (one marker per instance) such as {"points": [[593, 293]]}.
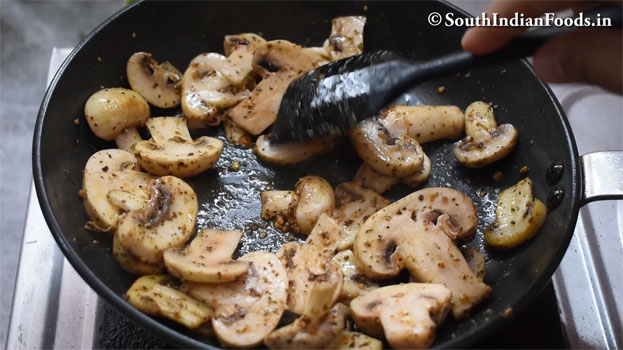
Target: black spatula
{"points": [[331, 99]]}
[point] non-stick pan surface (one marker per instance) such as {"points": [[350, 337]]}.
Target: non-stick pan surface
{"points": [[178, 31]]}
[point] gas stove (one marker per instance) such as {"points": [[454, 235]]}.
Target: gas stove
{"points": [[54, 308]]}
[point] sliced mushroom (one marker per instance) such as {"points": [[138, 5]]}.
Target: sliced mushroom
{"points": [[235, 134], [348, 340], [109, 171], [319, 323], [171, 150], [394, 155], [116, 113], [208, 258], [355, 281], [168, 220], [415, 233], [486, 142], [247, 309], [205, 91], [279, 62], [372, 179], [346, 37], [315, 197], [131, 264], [311, 263], [407, 314], [279, 206], [355, 205], [476, 261], [518, 217], [419, 177], [291, 152], [424, 123], [239, 50], [159, 84], [157, 295]]}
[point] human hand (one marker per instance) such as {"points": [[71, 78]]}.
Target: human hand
{"points": [[593, 56]]}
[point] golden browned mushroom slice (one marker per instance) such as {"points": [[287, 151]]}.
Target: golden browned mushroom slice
{"points": [[291, 152], [407, 314], [424, 123], [279, 62], [159, 84], [247, 309], [168, 220], [419, 177], [476, 261], [236, 134], [131, 264], [114, 114], [205, 91], [171, 150], [486, 142], [157, 295], [372, 179], [301, 208], [208, 258], [311, 263], [346, 37], [415, 233], [394, 155], [355, 205], [518, 216], [319, 323], [115, 171], [355, 282], [348, 340], [239, 50]]}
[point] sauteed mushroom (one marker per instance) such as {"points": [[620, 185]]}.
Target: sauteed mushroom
{"points": [[311, 263], [291, 152], [239, 50], [355, 281], [168, 220], [424, 123], [346, 37], [348, 340], [407, 314], [389, 154], [417, 232], [235, 134], [208, 258], [114, 114], [159, 84], [486, 142], [157, 295], [476, 261], [115, 171], [131, 264], [172, 151], [248, 309], [518, 216], [367, 177]]}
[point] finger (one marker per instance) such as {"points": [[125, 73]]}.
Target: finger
{"points": [[593, 56], [482, 40]]}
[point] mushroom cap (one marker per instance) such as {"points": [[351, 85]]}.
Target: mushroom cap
{"points": [[354, 205], [372, 179], [106, 171], [235, 134], [315, 197], [155, 295], [311, 263], [239, 50], [167, 221], [485, 142], [157, 83], [205, 91], [348, 340], [279, 206], [355, 281], [415, 233], [110, 111], [421, 176], [407, 314], [424, 123], [346, 37], [247, 309], [208, 258], [131, 264], [291, 152], [395, 155], [172, 151], [234, 42]]}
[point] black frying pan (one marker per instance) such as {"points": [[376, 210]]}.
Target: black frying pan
{"points": [[177, 31]]}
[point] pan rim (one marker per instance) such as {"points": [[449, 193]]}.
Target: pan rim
{"points": [[178, 338]]}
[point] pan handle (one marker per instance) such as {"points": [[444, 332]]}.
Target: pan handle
{"points": [[602, 175]]}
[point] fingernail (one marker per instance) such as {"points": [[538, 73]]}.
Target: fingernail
{"points": [[547, 65]]}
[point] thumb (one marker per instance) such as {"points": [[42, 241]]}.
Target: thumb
{"points": [[591, 56]]}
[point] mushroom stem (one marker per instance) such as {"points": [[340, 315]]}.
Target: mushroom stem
{"points": [[127, 138]]}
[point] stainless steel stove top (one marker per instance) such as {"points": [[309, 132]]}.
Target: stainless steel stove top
{"points": [[54, 308]]}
